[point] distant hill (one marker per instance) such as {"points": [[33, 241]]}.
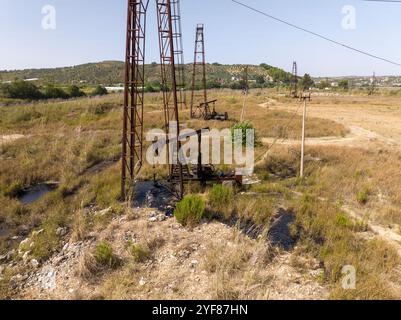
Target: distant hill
{"points": [[112, 72]]}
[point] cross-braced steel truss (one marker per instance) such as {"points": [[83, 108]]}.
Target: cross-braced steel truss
{"points": [[199, 90], [133, 125]]}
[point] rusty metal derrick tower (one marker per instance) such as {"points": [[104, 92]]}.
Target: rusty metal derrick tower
{"points": [[294, 81], [199, 97], [169, 30]]}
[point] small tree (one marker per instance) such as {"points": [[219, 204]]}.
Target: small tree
{"points": [[75, 92], [99, 91], [343, 84], [52, 92], [306, 82], [20, 89]]}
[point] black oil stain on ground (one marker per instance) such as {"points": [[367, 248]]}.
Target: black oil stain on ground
{"points": [[33, 194], [155, 196], [279, 233]]}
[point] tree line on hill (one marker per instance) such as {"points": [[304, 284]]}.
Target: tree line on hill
{"points": [[25, 90]]}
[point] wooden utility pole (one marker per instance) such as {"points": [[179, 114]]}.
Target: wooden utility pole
{"points": [[245, 92], [304, 98]]}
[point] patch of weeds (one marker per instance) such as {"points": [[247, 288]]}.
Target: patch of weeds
{"points": [[139, 253], [46, 242], [362, 197], [105, 256], [190, 210], [13, 190], [219, 199], [343, 221]]}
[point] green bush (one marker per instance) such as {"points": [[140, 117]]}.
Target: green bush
{"points": [[104, 255], [139, 253], [52, 92], [362, 197], [190, 210], [220, 197], [244, 127], [20, 89], [75, 92], [99, 91]]}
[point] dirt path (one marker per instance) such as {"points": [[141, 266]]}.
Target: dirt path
{"points": [[10, 138], [370, 124], [384, 233], [358, 137]]}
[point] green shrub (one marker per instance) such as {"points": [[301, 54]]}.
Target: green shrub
{"points": [[104, 255], [362, 197], [343, 221], [244, 127], [220, 197], [20, 89], [139, 253], [52, 92], [99, 91], [75, 92], [190, 210]]}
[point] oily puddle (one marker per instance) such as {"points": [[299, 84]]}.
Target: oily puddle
{"points": [[156, 196], [35, 193]]}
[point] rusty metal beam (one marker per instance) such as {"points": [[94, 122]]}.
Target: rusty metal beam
{"points": [[132, 140]]}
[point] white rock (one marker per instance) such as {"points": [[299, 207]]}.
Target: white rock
{"points": [[25, 256], [194, 263], [65, 248], [34, 263], [161, 217], [153, 219], [61, 232], [142, 282]]}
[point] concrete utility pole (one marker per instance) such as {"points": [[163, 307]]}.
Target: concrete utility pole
{"points": [[304, 98]]}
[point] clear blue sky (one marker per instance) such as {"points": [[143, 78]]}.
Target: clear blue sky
{"points": [[93, 30]]}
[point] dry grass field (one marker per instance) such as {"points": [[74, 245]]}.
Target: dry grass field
{"points": [[346, 210]]}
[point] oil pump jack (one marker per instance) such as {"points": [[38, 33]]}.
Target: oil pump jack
{"points": [[171, 53]]}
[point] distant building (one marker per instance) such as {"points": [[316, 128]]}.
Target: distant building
{"points": [[115, 89]]}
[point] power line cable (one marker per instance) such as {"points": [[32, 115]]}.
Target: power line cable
{"points": [[317, 34]]}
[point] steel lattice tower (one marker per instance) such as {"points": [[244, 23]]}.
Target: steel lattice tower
{"points": [[179, 53], [132, 143], [199, 97]]}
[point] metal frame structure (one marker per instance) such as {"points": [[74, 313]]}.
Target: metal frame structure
{"points": [[178, 53], [199, 61], [169, 29], [294, 80]]}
